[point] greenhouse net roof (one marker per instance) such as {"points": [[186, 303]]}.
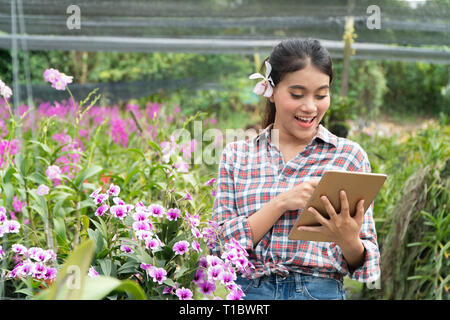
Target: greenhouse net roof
{"points": [[407, 30]]}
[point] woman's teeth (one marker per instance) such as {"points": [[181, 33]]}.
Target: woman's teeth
{"points": [[308, 120]]}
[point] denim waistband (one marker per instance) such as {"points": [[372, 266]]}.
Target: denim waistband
{"points": [[291, 277]]}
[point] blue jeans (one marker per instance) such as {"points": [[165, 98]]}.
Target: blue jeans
{"points": [[295, 286]]}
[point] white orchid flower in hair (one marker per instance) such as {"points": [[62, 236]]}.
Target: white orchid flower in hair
{"points": [[266, 85]]}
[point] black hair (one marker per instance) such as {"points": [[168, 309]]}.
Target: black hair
{"points": [[291, 55]]}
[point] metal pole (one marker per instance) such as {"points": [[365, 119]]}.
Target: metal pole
{"points": [[15, 58], [31, 113], [26, 62]]}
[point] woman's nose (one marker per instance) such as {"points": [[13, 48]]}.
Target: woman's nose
{"points": [[308, 105]]}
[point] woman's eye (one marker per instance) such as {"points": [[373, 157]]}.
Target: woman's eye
{"points": [[296, 96], [321, 97]]}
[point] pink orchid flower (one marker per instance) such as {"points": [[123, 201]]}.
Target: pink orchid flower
{"points": [[58, 79], [266, 85]]}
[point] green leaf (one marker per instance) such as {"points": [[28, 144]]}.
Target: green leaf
{"points": [[60, 196], [96, 236], [129, 267], [139, 152], [44, 147], [63, 187], [131, 173], [57, 211], [8, 190], [26, 291], [60, 231], [99, 287], [40, 211], [86, 174], [8, 174], [169, 282], [101, 227], [143, 256], [47, 163], [53, 155], [181, 271], [88, 97], [154, 146], [88, 203], [38, 178], [20, 163], [418, 277], [106, 265], [19, 178], [102, 254]]}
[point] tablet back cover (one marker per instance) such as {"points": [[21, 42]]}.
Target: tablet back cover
{"points": [[357, 185]]}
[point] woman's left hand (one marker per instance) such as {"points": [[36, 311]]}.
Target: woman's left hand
{"points": [[342, 228]]}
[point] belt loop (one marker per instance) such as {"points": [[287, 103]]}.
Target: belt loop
{"points": [[298, 282]]}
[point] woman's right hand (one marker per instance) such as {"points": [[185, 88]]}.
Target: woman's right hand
{"points": [[297, 197]]}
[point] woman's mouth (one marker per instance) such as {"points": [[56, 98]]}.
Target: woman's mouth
{"points": [[304, 122]]}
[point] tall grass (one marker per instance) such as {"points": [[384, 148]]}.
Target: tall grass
{"points": [[411, 213]]}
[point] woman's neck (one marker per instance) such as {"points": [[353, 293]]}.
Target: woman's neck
{"points": [[285, 139]]}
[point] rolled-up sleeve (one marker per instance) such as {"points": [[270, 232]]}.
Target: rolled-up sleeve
{"points": [[231, 225], [370, 270]]}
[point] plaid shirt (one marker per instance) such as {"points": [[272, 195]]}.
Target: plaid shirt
{"points": [[252, 172]]}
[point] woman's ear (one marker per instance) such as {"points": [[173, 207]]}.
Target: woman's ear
{"points": [[271, 99]]}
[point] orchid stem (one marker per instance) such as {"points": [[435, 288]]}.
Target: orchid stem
{"points": [[76, 114]]}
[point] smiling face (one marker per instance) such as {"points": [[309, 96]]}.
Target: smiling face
{"points": [[303, 93]]}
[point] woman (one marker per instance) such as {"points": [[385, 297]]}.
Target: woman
{"points": [[264, 183]]}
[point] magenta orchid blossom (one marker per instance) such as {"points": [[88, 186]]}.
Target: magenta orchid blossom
{"points": [[173, 214], [114, 190], [184, 294], [157, 210], [181, 247], [101, 210]]}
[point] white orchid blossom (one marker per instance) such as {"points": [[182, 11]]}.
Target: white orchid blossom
{"points": [[266, 85], [5, 91]]}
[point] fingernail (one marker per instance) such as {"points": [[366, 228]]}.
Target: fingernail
{"points": [[342, 192]]}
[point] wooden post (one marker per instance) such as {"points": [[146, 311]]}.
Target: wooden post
{"points": [[348, 40]]}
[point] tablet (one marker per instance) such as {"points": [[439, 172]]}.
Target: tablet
{"points": [[357, 186]]}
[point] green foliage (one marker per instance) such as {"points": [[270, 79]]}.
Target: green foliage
{"points": [[367, 88], [411, 213], [66, 216], [341, 109], [416, 88], [375, 87], [128, 66]]}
